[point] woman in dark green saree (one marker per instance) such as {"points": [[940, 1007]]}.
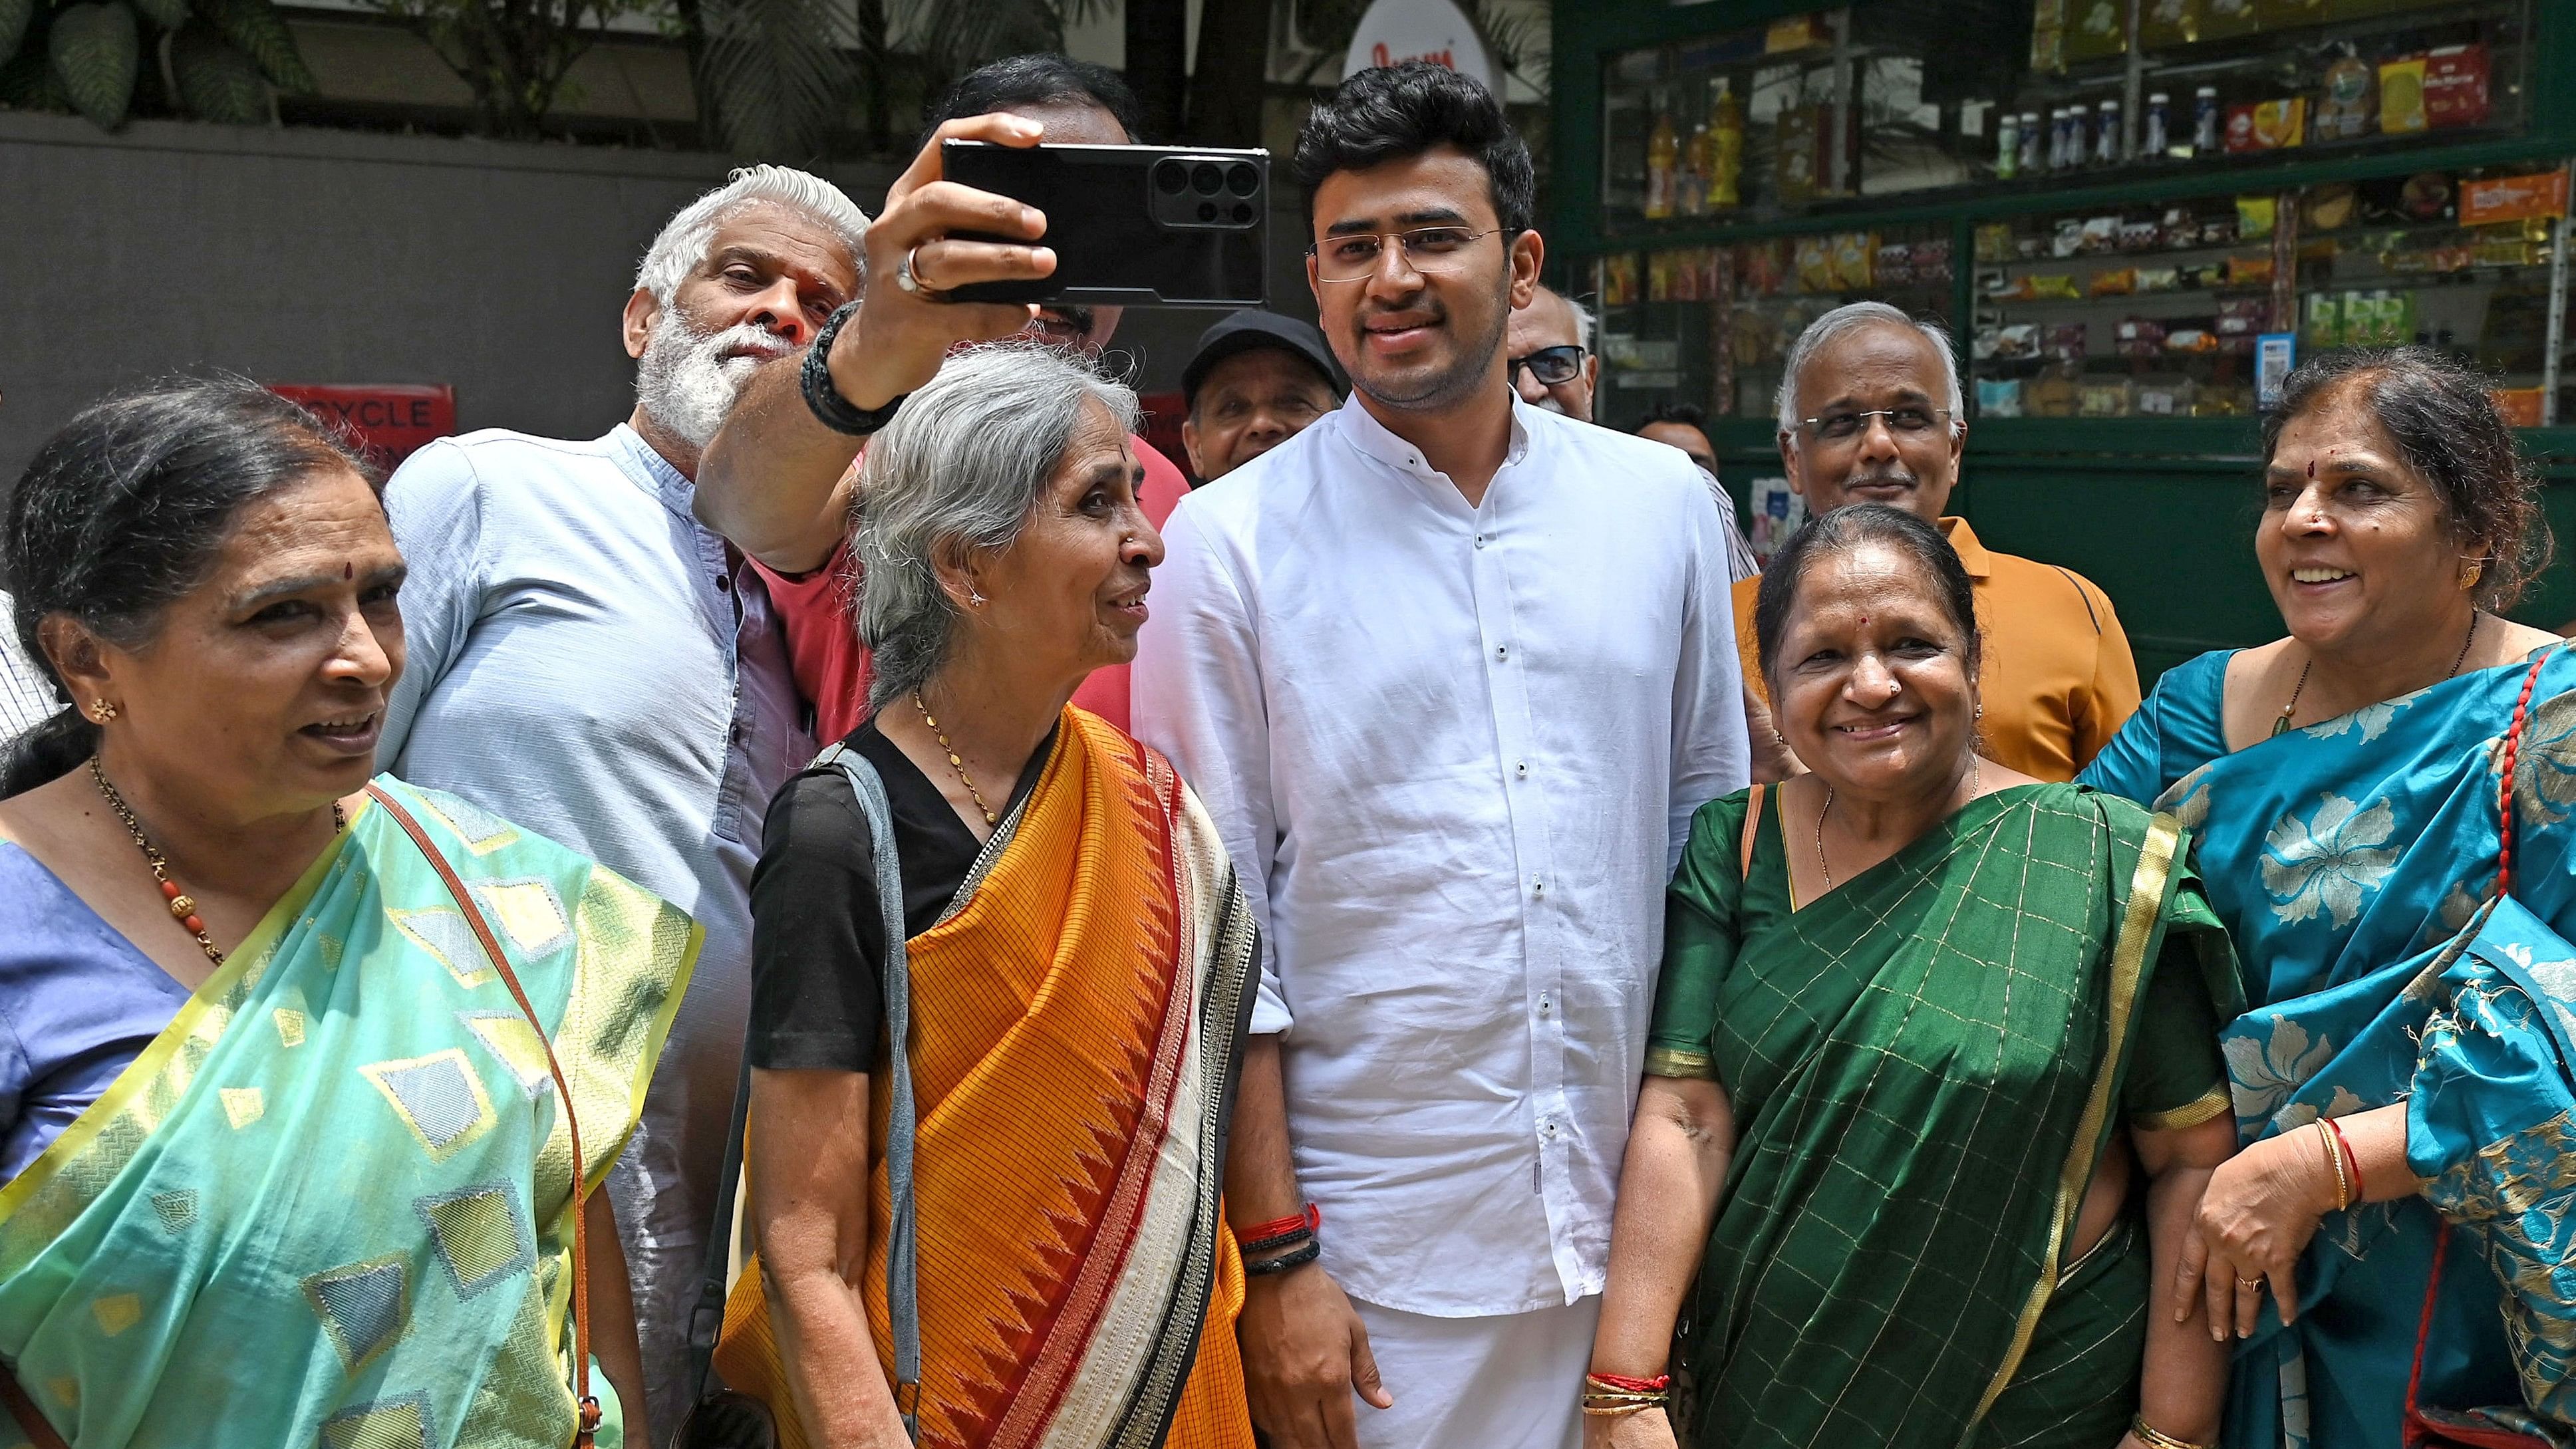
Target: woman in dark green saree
{"points": [[1933, 1085]]}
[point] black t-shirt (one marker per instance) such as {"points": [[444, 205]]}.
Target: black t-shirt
{"points": [[817, 929]]}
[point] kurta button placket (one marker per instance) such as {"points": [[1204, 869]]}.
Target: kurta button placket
{"points": [[1502, 651]]}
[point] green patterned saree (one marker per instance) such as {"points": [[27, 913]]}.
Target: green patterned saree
{"points": [[331, 1204], [1924, 1067]]}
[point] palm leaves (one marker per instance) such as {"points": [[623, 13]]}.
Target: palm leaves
{"points": [[773, 78], [224, 56]]}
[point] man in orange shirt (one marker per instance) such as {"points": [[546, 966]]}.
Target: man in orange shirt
{"points": [[1869, 412]]}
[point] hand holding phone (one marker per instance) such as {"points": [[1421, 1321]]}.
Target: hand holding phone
{"points": [[901, 333], [1130, 226]]}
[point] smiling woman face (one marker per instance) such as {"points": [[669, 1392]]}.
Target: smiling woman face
{"points": [[2355, 545], [1068, 595], [1872, 678]]}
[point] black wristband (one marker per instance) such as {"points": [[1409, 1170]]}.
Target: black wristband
{"points": [[1289, 1239], [828, 406], [1285, 1261]]}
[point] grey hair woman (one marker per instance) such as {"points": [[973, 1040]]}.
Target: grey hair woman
{"points": [[1056, 878]]}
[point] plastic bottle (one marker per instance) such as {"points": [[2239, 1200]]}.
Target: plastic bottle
{"points": [[2007, 147], [2106, 135], [1690, 192], [2204, 120], [2159, 120], [2034, 145], [1726, 147], [1663, 162]]}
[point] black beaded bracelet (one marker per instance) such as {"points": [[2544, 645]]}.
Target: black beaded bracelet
{"points": [[1288, 1239], [1285, 1261], [828, 406]]}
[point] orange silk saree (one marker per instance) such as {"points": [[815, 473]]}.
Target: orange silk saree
{"points": [[1077, 1020]]}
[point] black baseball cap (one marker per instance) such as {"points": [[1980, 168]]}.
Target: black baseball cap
{"points": [[1245, 330]]}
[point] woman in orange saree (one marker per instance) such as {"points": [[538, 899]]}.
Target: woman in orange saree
{"points": [[1079, 965]]}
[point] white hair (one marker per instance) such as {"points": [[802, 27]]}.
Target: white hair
{"points": [[682, 242], [1584, 326], [964, 462], [1853, 315]]}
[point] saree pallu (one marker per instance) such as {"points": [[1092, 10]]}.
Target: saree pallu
{"points": [[331, 1204], [1924, 1067], [2346, 858], [1078, 1018]]}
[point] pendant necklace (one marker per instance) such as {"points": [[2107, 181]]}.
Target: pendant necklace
{"points": [[2282, 725], [183, 907]]}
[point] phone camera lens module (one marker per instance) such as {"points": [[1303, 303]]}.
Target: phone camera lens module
{"points": [[1241, 180], [1206, 180], [1207, 211], [1243, 212], [1171, 178]]}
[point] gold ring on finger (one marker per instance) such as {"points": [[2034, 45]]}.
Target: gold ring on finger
{"points": [[2254, 1283], [909, 279]]}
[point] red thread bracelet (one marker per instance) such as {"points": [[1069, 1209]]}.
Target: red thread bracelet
{"points": [[1310, 1220], [2359, 1194], [1655, 1385]]}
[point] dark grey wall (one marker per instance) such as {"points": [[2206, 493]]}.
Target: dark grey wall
{"points": [[322, 256], [303, 255]]}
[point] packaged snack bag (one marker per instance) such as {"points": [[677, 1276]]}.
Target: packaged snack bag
{"points": [[2324, 326], [2245, 271], [2280, 124], [2343, 109], [2255, 216], [2401, 95], [2116, 283], [1999, 397], [1853, 253], [1815, 264], [2058, 288], [2455, 85], [2159, 279], [2066, 342], [2103, 397]]}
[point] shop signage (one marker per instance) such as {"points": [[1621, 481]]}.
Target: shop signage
{"points": [[1432, 30], [391, 421]]}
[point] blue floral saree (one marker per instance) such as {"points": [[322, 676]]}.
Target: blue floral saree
{"points": [[331, 1203], [2346, 859]]}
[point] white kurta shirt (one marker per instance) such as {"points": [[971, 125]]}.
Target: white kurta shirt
{"points": [[1454, 752]]}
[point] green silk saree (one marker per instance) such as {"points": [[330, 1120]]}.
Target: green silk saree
{"points": [[331, 1204], [1924, 1066]]}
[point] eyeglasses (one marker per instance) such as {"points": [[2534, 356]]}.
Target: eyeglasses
{"points": [[1428, 251], [1906, 421], [1552, 366]]}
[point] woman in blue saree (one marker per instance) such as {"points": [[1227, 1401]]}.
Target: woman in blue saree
{"points": [[2342, 787], [298, 1121]]}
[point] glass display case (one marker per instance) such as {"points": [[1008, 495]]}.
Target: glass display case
{"points": [[1711, 325], [1904, 97], [2157, 310]]}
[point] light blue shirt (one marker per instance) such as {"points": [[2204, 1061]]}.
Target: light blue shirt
{"points": [[586, 661]]}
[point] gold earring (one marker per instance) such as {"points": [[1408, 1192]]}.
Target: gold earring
{"points": [[102, 709], [2470, 575]]}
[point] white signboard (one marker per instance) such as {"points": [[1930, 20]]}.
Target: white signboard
{"points": [[1433, 30]]}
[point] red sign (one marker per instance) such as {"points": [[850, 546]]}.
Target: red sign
{"points": [[391, 422]]}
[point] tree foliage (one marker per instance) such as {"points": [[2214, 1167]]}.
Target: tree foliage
{"points": [[104, 58], [514, 55]]}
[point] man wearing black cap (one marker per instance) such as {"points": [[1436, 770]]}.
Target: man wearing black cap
{"points": [[1256, 381]]}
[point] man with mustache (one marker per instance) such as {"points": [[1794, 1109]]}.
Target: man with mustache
{"points": [[1553, 365], [1869, 412], [1451, 712], [791, 521], [590, 662], [1257, 380]]}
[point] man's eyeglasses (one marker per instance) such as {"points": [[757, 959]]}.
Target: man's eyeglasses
{"points": [[1428, 251], [1905, 421], [1552, 366]]}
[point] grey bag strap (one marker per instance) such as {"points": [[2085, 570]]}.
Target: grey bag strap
{"points": [[903, 1293]]}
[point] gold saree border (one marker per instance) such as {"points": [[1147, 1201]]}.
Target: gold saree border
{"points": [[2139, 922], [1662, 1061], [2207, 1107], [204, 1018]]}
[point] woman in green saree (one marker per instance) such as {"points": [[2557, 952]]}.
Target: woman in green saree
{"points": [[1933, 1083], [285, 1056]]}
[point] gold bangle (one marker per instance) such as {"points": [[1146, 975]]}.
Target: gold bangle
{"points": [[2334, 1160], [2155, 1438], [1620, 1411]]}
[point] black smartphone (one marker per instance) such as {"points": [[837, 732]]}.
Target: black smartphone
{"points": [[1131, 226]]}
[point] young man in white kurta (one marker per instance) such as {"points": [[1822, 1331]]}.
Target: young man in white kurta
{"points": [[1454, 748]]}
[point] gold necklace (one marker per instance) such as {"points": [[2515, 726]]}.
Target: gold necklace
{"points": [[2282, 725], [1976, 777], [183, 907], [990, 819]]}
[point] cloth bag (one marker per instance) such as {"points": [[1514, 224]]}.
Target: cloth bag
{"points": [[728, 1418]]}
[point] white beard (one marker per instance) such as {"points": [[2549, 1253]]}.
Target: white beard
{"points": [[681, 384]]}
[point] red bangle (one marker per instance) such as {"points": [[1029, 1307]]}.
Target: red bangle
{"points": [[2350, 1157], [1655, 1385], [1311, 1219]]}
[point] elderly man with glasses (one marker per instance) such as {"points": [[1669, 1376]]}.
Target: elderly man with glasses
{"points": [[1869, 413], [1552, 364]]}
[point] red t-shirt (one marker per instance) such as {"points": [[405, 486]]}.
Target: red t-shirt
{"points": [[831, 666]]}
